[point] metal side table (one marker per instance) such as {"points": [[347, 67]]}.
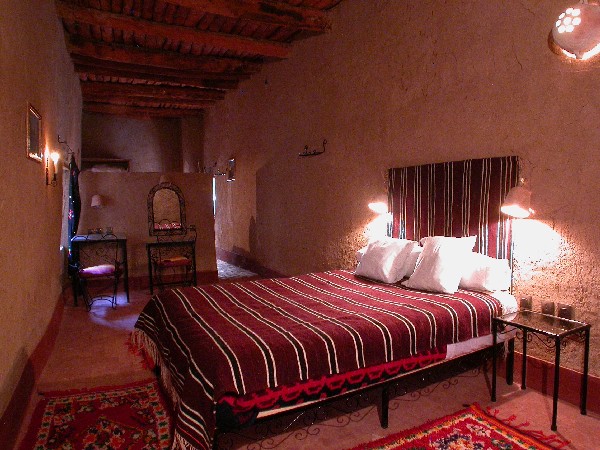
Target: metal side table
{"points": [[552, 332]]}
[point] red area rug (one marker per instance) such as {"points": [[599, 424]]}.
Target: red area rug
{"points": [[132, 417], [469, 429]]}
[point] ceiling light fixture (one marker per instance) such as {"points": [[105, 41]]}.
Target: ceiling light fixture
{"points": [[576, 32]]}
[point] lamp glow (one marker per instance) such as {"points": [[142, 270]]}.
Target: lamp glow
{"points": [[378, 207], [517, 203], [54, 157]]}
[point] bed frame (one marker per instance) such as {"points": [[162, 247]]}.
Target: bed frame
{"points": [[458, 198], [381, 392]]}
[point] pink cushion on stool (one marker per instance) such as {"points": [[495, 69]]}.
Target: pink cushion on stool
{"points": [[175, 261], [101, 270]]}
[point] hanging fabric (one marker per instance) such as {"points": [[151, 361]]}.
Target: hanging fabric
{"points": [[74, 204]]}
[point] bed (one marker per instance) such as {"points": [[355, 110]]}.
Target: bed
{"points": [[230, 352]]}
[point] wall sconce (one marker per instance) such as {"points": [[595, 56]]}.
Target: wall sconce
{"points": [[54, 157], [231, 169], [213, 170], [576, 32], [378, 207], [382, 225], [97, 201], [517, 203]]}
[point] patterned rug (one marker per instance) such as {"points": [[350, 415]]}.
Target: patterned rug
{"points": [[469, 429], [132, 417]]}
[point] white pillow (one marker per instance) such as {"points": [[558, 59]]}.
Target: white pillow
{"points": [[467, 241], [384, 259], [360, 252], [411, 261], [484, 273], [439, 267]]}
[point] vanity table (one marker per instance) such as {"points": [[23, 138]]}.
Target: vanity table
{"points": [[172, 255]]}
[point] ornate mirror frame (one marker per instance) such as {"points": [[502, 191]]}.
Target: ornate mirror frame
{"points": [[162, 228]]}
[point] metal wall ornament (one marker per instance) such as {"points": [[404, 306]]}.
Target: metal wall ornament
{"points": [[314, 152]]}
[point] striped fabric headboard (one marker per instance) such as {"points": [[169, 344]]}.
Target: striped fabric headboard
{"points": [[460, 198]]}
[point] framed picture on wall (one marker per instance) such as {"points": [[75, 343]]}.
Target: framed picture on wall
{"points": [[34, 134]]}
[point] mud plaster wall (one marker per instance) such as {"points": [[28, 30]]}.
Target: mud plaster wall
{"points": [[34, 68], [125, 209], [405, 83], [150, 144]]}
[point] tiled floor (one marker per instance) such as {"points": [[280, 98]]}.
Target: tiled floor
{"points": [[229, 271], [91, 350]]}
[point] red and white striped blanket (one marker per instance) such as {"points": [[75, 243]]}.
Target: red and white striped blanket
{"points": [[234, 339]]}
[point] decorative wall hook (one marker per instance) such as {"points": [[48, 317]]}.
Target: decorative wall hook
{"points": [[314, 152], [64, 142]]}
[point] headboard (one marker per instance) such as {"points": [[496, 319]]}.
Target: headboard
{"points": [[459, 198]]}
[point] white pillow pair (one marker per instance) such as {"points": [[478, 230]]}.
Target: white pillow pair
{"points": [[387, 259], [440, 265]]}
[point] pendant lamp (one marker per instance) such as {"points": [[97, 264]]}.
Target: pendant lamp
{"points": [[576, 32]]}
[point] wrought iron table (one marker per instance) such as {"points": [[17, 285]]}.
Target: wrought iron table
{"points": [[555, 330]]}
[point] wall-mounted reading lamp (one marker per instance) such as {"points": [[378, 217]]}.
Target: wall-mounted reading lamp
{"points": [[382, 225], [517, 203], [54, 157], [97, 201], [576, 32], [231, 169]]}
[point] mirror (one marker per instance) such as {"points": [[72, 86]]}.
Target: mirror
{"points": [[166, 210]]}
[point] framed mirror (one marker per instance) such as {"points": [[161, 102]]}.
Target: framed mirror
{"points": [[34, 134], [166, 210]]}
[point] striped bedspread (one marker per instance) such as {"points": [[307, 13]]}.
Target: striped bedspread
{"points": [[240, 338]]}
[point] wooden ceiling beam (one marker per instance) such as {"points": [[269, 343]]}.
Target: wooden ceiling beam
{"points": [[273, 12], [166, 93], [136, 111], [87, 70], [154, 102], [125, 70], [176, 33], [128, 54]]}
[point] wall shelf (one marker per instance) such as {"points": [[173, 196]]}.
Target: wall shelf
{"points": [[105, 164]]}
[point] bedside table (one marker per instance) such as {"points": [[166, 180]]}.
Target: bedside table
{"points": [[552, 331]]}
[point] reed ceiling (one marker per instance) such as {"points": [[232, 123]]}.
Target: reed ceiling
{"points": [[175, 58]]}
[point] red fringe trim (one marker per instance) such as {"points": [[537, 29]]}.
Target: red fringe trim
{"points": [[325, 386], [549, 439], [87, 390], [146, 360]]}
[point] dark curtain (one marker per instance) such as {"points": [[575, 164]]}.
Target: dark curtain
{"points": [[460, 198], [74, 205]]}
